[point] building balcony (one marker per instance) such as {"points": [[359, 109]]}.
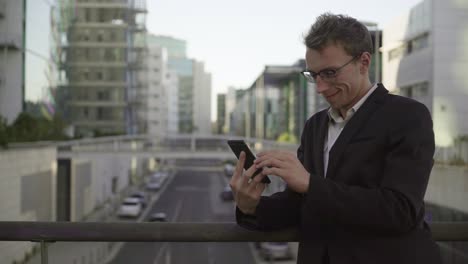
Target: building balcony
{"points": [[12, 41], [95, 44], [137, 6], [99, 25], [117, 123], [94, 84], [96, 64], [83, 103]]}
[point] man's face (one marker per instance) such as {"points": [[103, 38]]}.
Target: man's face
{"points": [[346, 88]]}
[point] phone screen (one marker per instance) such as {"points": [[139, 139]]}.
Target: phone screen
{"points": [[237, 146]]}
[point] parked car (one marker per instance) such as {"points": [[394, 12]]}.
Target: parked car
{"points": [[275, 250], [229, 169], [160, 175], [157, 217], [154, 184], [226, 194], [130, 207], [144, 198]]}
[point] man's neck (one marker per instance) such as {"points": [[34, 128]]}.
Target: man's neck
{"points": [[362, 91]]}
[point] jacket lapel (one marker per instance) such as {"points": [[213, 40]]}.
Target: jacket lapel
{"points": [[318, 142], [354, 124]]}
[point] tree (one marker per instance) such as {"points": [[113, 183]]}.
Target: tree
{"points": [[287, 137], [27, 128], [3, 133]]}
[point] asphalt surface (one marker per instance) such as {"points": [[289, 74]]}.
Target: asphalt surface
{"points": [[191, 196]]}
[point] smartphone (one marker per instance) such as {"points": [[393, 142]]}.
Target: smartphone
{"points": [[237, 146]]}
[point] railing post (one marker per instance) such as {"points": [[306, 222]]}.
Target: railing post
{"points": [[44, 257]]}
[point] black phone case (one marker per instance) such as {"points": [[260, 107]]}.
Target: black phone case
{"points": [[237, 146]]}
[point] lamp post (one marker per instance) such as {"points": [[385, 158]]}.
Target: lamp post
{"points": [[373, 25]]}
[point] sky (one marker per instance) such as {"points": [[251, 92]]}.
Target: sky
{"points": [[236, 39]]}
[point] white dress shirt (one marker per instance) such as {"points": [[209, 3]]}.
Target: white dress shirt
{"points": [[336, 124]]}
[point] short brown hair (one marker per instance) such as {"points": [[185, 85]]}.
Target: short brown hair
{"points": [[339, 29]]}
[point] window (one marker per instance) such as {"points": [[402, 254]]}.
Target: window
{"points": [[103, 95], [409, 47], [396, 52], [415, 91], [420, 42]]}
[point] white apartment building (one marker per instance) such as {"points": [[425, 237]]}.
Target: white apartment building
{"points": [[162, 110], [11, 58], [425, 57], [201, 99]]}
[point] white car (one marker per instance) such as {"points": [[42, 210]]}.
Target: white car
{"points": [[160, 175], [154, 184], [275, 250], [130, 207], [158, 217], [229, 169]]}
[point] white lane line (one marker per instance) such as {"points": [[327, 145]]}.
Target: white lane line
{"points": [[116, 249], [165, 246]]}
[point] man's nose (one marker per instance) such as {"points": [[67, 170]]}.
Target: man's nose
{"points": [[321, 85]]}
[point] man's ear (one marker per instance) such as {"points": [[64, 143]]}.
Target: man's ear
{"points": [[365, 62]]}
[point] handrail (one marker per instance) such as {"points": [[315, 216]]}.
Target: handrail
{"points": [[174, 232]]}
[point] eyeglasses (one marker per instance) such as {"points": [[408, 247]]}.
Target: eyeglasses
{"points": [[325, 74]]}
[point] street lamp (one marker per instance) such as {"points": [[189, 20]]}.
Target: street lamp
{"points": [[376, 48]]}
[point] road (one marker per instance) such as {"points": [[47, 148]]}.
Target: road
{"points": [[192, 196]]}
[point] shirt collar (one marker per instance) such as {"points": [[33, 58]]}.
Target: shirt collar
{"points": [[334, 114]]}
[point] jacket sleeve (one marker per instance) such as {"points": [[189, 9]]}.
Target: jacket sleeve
{"points": [[395, 206], [278, 211]]}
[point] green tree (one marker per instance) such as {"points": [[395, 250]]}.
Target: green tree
{"points": [[27, 128], [3, 133], [287, 137]]}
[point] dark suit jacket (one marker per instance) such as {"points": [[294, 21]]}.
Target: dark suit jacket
{"points": [[369, 208]]}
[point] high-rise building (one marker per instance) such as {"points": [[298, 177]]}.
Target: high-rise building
{"points": [[201, 113], [194, 86], [221, 113], [162, 83], [277, 103], [425, 58], [99, 57], [12, 28]]}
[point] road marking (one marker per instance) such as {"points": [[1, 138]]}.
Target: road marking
{"points": [[165, 246], [154, 199], [191, 189]]}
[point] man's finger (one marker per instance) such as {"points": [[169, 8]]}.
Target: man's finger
{"points": [[240, 165], [259, 188]]}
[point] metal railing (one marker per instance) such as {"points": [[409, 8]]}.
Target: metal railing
{"points": [[46, 232]]}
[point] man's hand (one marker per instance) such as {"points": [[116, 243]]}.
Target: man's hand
{"points": [[283, 164], [246, 191]]}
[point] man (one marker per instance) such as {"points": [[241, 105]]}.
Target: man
{"points": [[355, 189]]}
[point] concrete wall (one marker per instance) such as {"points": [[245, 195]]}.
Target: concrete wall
{"points": [[27, 192], [448, 187]]}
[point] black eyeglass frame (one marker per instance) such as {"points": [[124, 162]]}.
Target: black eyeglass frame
{"points": [[312, 76]]}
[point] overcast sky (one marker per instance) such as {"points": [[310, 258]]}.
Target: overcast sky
{"points": [[236, 39]]}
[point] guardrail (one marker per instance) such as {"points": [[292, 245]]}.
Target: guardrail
{"points": [[45, 232]]}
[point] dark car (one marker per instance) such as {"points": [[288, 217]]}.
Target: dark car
{"points": [[226, 194]]}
